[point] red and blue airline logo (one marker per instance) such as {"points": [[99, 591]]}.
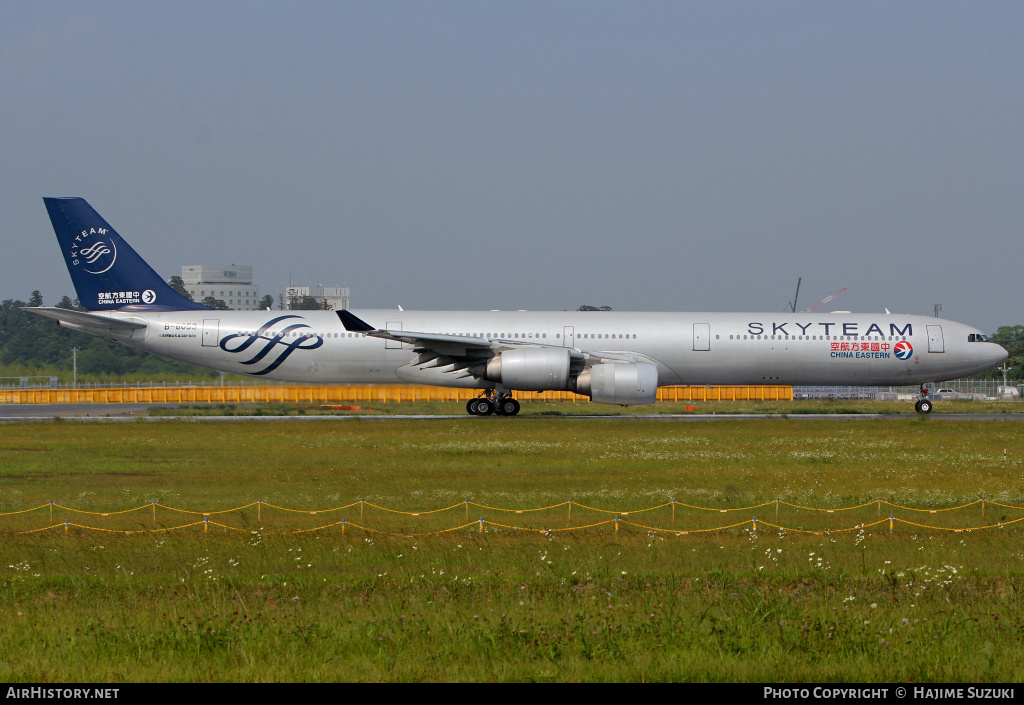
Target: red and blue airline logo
{"points": [[903, 350]]}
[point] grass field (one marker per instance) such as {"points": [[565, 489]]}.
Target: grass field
{"points": [[585, 408], [260, 602]]}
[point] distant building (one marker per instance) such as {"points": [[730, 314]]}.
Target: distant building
{"points": [[229, 283], [337, 296]]}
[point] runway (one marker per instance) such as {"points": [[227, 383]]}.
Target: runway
{"points": [[16, 413], [71, 411]]}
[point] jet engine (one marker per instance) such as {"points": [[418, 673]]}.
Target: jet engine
{"points": [[530, 369], [619, 383]]}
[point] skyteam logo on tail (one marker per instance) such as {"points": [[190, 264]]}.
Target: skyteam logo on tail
{"points": [[267, 344], [93, 254], [903, 350]]}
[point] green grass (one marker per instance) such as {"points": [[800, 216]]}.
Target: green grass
{"points": [[264, 604], [541, 408]]}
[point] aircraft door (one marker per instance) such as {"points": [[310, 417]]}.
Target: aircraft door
{"points": [[393, 344], [211, 332], [568, 338], [701, 336], [935, 342]]}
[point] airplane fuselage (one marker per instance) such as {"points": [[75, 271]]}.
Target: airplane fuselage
{"points": [[687, 348]]}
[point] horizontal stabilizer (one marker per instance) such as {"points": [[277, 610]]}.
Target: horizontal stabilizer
{"points": [[81, 319]]}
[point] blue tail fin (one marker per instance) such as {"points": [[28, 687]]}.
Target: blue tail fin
{"points": [[107, 273]]}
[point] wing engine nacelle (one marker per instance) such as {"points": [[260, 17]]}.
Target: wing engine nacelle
{"points": [[619, 383], [531, 369]]}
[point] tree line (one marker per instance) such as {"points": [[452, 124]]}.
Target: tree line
{"points": [[31, 344]]}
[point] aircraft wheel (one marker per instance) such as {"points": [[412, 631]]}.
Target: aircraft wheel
{"points": [[507, 407], [923, 406], [471, 407], [484, 407]]}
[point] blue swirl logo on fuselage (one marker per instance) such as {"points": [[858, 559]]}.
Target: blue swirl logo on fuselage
{"points": [[281, 342]]}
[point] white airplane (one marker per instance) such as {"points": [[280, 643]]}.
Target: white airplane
{"points": [[612, 357]]}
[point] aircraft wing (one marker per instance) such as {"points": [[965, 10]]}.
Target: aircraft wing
{"points": [[90, 322], [458, 356], [464, 345], [450, 345]]}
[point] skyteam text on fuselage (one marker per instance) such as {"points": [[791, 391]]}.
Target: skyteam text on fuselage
{"points": [[612, 357]]}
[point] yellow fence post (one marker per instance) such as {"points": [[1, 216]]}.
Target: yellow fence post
{"points": [[570, 511], [343, 525], [66, 523], [891, 520], [673, 510], [51, 512], [755, 524], [467, 509], [879, 507], [776, 508], [480, 521], [982, 507], [616, 523], [206, 524], [259, 510], [154, 512], [361, 503]]}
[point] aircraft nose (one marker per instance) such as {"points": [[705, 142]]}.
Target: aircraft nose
{"points": [[999, 354]]}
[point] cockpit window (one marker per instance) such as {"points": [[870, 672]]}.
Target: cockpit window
{"points": [[977, 338]]}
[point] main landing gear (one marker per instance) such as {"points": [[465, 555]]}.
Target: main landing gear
{"points": [[500, 404]]}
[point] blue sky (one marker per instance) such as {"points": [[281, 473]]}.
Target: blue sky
{"points": [[479, 155]]}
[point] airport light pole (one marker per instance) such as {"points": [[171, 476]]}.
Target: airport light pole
{"points": [[74, 368]]}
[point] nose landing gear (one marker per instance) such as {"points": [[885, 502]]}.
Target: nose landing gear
{"points": [[500, 404], [924, 405]]}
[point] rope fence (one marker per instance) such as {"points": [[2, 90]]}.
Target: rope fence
{"points": [[617, 518]]}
